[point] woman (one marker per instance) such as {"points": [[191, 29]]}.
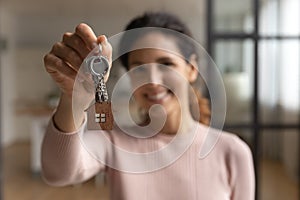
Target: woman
{"points": [[226, 173]]}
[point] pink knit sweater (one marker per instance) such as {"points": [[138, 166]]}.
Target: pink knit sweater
{"points": [[225, 174]]}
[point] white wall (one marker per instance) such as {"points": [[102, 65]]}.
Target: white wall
{"points": [[7, 31], [42, 24], [33, 85]]}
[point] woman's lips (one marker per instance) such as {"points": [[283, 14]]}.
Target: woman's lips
{"points": [[158, 97]]}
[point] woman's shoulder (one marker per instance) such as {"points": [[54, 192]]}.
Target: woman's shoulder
{"points": [[232, 140], [227, 143], [235, 149]]}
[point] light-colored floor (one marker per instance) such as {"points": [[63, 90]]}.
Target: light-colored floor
{"points": [[275, 184], [21, 184]]}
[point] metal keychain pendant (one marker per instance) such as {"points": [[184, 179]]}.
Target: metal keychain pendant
{"points": [[99, 114], [103, 115]]}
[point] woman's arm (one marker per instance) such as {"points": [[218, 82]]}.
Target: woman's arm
{"points": [[63, 63], [64, 118], [64, 160], [242, 178]]}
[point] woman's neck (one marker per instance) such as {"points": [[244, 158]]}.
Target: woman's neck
{"points": [[174, 123]]}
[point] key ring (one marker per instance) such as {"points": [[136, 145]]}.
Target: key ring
{"points": [[101, 115], [97, 64], [98, 68]]}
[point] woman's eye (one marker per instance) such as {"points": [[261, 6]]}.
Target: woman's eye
{"points": [[138, 70], [168, 63]]}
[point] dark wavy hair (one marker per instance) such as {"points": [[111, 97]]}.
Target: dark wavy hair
{"points": [[159, 20]]}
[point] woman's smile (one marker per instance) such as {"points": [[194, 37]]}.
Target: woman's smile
{"points": [[158, 97]]}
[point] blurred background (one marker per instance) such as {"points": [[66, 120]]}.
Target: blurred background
{"points": [[255, 44]]}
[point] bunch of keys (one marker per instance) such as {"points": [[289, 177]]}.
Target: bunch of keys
{"points": [[100, 115]]}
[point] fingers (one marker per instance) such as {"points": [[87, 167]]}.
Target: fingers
{"points": [[75, 46], [87, 35], [65, 58], [73, 41], [106, 47], [56, 67], [106, 51], [81, 42], [67, 54]]}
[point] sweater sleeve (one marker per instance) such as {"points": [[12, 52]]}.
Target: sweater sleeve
{"points": [[64, 159], [242, 171]]}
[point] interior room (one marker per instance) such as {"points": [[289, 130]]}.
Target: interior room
{"points": [[254, 43]]}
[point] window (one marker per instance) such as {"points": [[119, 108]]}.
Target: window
{"points": [[256, 45]]}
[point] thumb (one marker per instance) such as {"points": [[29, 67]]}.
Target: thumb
{"points": [[106, 47], [106, 51]]}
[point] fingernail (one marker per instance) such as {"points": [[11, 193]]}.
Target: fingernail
{"points": [[105, 38]]}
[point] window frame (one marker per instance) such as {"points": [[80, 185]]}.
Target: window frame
{"points": [[256, 125]]}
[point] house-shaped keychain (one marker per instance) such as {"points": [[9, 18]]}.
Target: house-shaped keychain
{"points": [[100, 116]]}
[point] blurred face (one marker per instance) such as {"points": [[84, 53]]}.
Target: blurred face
{"points": [[165, 72]]}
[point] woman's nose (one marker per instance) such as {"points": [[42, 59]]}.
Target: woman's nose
{"points": [[147, 74], [155, 75]]}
